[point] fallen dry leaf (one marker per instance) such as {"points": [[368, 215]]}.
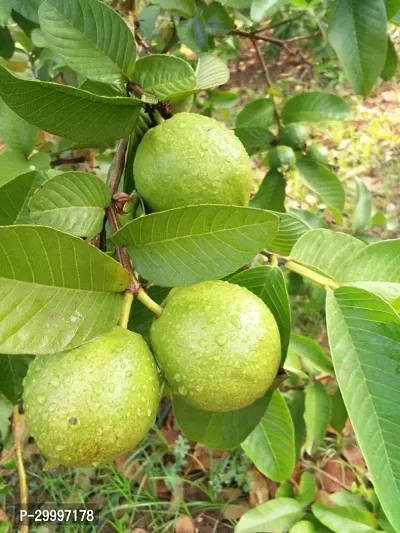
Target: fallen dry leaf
{"points": [[236, 510], [184, 524], [336, 470], [259, 492]]}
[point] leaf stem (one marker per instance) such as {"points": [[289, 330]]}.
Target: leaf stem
{"points": [[23, 487], [311, 274], [125, 309], [143, 297]]}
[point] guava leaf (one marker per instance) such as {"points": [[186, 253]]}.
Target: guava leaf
{"points": [[364, 337], [271, 444], [181, 8], [269, 284], [56, 291], [290, 231], [191, 244], [307, 488], [218, 21], [27, 8], [73, 202], [141, 318], [163, 76], [16, 132], [362, 217], [345, 519], [272, 193], [391, 63], [317, 177], [7, 44], [222, 431], [109, 45], [5, 12], [315, 107], [274, 516], [12, 164], [68, 112], [316, 415], [358, 34], [14, 198], [13, 369], [309, 349], [211, 72]]}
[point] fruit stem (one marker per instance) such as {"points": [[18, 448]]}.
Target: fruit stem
{"points": [[158, 118], [23, 488], [125, 310], [314, 276], [143, 297]]}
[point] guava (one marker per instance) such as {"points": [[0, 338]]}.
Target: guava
{"points": [[89, 405], [294, 135], [282, 157], [189, 160], [218, 345], [319, 153]]}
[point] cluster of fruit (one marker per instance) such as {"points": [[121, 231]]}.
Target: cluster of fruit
{"points": [[216, 344]]}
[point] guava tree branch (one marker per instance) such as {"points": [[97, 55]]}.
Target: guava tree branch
{"points": [[23, 487], [311, 274]]}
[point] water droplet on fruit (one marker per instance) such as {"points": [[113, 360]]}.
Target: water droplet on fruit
{"points": [[178, 378], [182, 390], [199, 388], [236, 322], [59, 448], [41, 399], [221, 340], [149, 412], [55, 382], [203, 343]]}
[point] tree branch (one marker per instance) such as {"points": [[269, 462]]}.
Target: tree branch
{"points": [[23, 487], [118, 166]]}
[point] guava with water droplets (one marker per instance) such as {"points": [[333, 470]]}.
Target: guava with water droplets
{"points": [[218, 345], [190, 160], [294, 135], [282, 157], [89, 405]]}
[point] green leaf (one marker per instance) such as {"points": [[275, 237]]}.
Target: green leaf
{"points": [[68, 112], [14, 198], [315, 107], [148, 16], [258, 113], [317, 177], [345, 519], [357, 33], [327, 252], [218, 22], [269, 284], [376, 268], [99, 88], [193, 33], [271, 444], [309, 349], [296, 408], [192, 244], [339, 414], [27, 8], [16, 132], [141, 317], [237, 4], [163, 76], [5, 414], [261, 9], [307, 489], [345, 498], [272, 193], [73, 202], [5, 12], [392, 8], [181, 8], [7, 45], [391, 63], [274, 516], [254, 138], [363, 212], [12, 164], [211, 72], [289, 232], [316, 415], [364, 336], [13, 369], [219, 430], [93, 27], [56, 291]]}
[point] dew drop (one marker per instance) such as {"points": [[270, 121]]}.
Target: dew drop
{"points": [[41, 399], [221, 340], [182, 390], [203, 343], [55, 382], [236, 322], [149, 412], [178, 378], [59, 448]]}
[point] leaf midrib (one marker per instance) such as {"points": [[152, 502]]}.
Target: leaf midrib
{"points": [[59, 287]]}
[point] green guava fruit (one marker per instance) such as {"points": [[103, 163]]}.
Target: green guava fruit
{"points": [[190, 160], [282, 157], [294, 135], [218, 345], [89, 405], [319, 153]]}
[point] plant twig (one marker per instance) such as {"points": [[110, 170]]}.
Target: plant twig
{"points": [[309, 464], [23, 487], [171, 41], [311, 274], [268, 80], [68, 161], [118, 166], [141, 42], [143, 297], [126, 309]]}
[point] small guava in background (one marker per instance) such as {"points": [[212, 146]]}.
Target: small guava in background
{"points": [[191, 159], [319, 153], [282, 157], [294, 135], [218, 345], [89, 405]]}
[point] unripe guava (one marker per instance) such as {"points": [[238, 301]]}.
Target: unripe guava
{"points": [[294, 135], [319, 153], [218, 345], [190, 160], [89, 405], [282, 157]]}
